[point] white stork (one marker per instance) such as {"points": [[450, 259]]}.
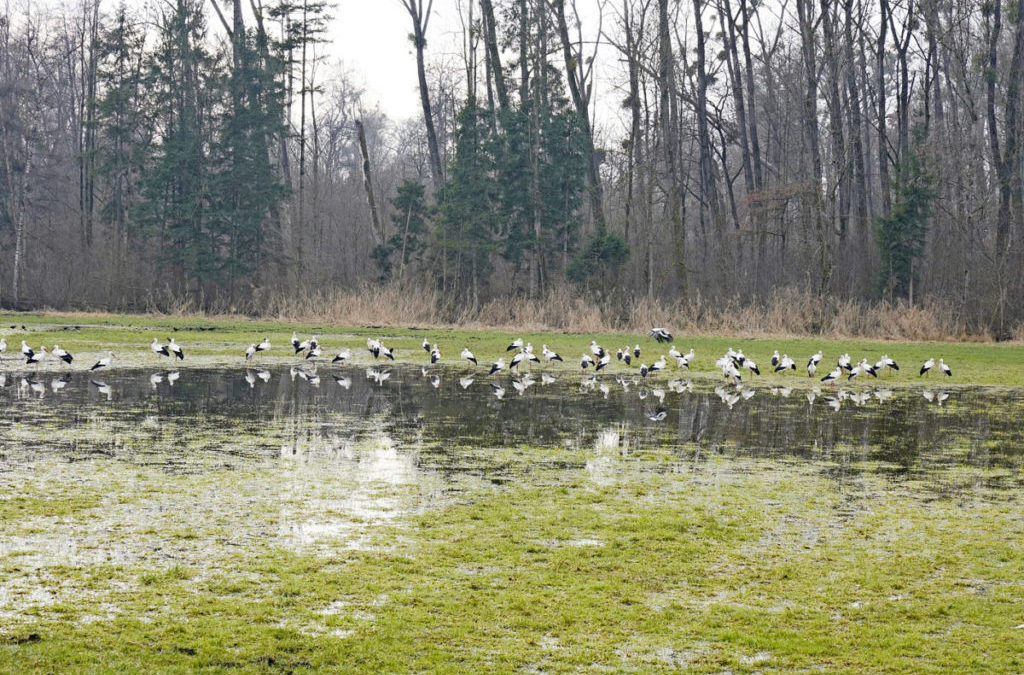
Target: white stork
{"points": [[928, 365], [833, 376], [516, 344], [944, 368], [785, 363], [175, 349], [660, 334], [35, 357], [343, 355], [468, 355], [812, 364], [104, 362], [62, 354], [158, 349], [549, 355]]}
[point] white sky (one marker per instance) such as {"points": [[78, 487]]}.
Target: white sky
{"points": [[370, 39]]}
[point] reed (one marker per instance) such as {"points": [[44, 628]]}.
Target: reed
{"points": [[788, 312]]}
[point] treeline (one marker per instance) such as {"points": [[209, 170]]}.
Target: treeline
{"points": [[208, 156]]}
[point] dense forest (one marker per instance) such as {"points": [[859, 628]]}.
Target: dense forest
{"points": [[206, 154]]}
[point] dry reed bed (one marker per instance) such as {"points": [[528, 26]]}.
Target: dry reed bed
{"points": [[786, 313]]}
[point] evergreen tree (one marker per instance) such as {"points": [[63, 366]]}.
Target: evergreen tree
{"points": [[465, 214], [410, 221], [245, 184], [900, 236], [123, 138], [175, 188]]}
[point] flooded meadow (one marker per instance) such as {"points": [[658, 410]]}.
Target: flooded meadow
{"points": [[538, 522]]}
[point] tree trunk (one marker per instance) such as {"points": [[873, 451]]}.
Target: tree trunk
{"points": [[578, 76], [493, 55], [420, 20], [668, 114], [378, 230]]}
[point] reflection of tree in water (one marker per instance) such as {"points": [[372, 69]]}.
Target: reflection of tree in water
{"points": [[219, 412]]}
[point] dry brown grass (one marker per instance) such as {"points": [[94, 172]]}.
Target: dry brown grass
{"points": [[786, 313]]}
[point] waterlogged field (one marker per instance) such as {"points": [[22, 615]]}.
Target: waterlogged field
{"points": [[397, 519]]}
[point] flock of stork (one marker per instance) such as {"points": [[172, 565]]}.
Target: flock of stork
{"points": [[734, 365]]}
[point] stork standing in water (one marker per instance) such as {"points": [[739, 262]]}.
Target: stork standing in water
{"points": [[26, 351], [603, 361], [175, 349], [62, 354], [435, 355], [263, 346], [3, 347], [295, 342], [468, 355], [549, 355], [158, 349], [104, 362], [343, 355], [249, 353], [833, 376], [497, 367], [812, 364], [586, 360], [313, 353], [596, 349], [35, 357], [517, 360]]}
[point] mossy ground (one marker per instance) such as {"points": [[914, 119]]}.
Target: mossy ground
{"points": [[717, 565], [223, 342]]}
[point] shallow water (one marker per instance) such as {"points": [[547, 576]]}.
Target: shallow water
{"points": [[189, 468], [194, 416]]}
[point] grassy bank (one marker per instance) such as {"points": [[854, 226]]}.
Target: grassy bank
{"points": [[218, 341]]}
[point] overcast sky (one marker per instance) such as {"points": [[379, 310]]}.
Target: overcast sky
{"points": [[370, 39]]}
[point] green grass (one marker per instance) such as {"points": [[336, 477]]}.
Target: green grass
{"points": [[733, 566], [223, 341]]}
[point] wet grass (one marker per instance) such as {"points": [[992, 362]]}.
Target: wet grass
{"points": [[223, 341], [714, 564]]}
